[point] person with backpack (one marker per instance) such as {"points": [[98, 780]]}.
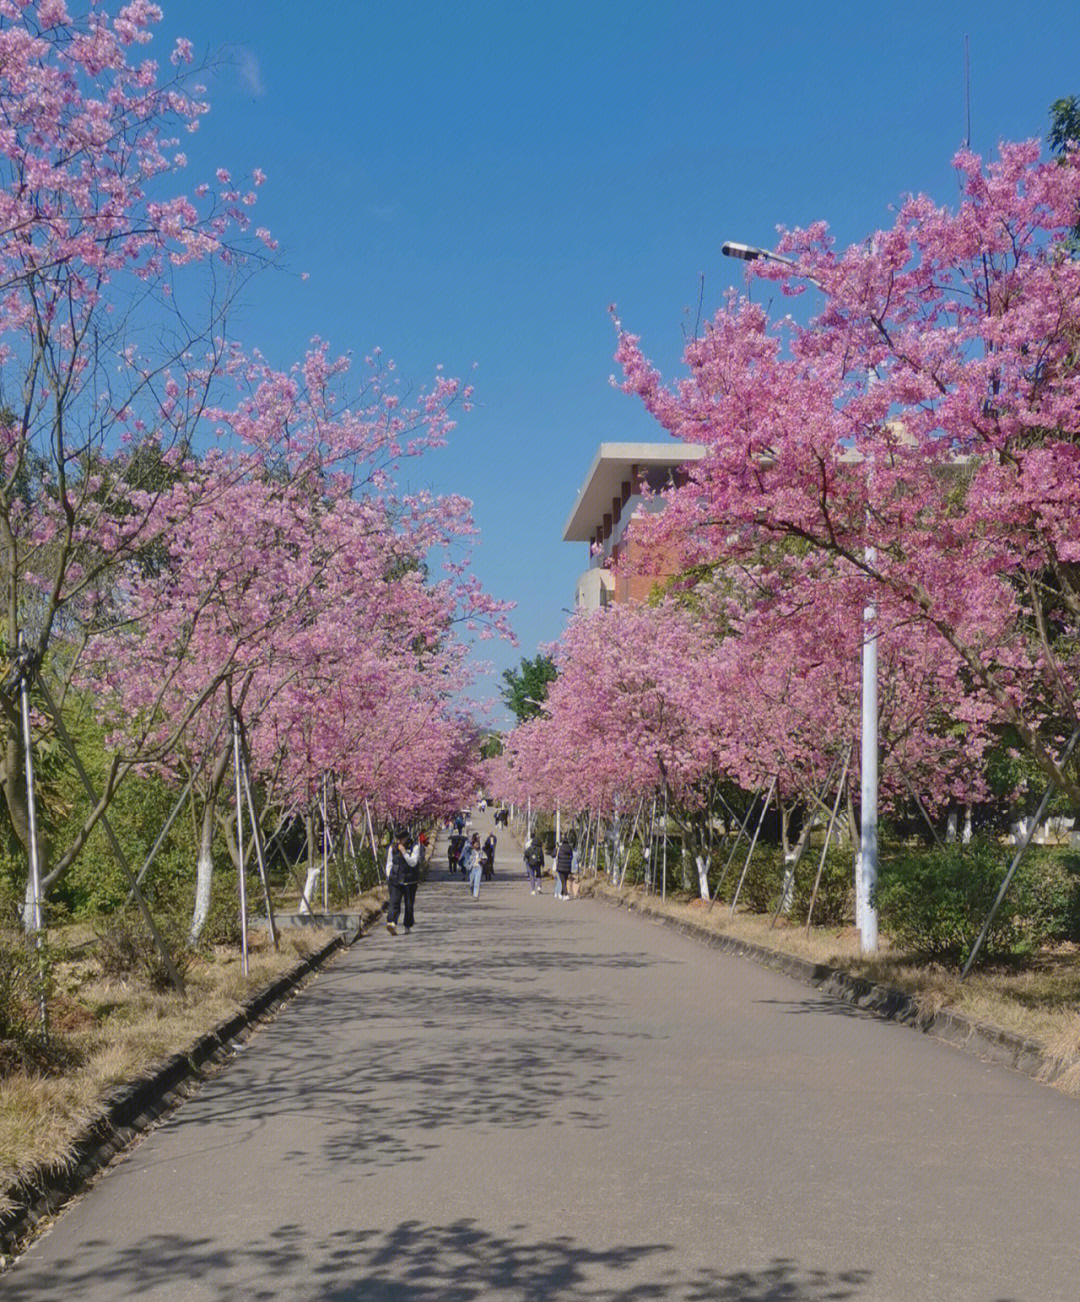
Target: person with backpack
{"points": [[564, 863], [403, 877], [534, 864], [489, 857]]}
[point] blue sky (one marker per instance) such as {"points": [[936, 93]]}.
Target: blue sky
{"points": [[476, 182]]}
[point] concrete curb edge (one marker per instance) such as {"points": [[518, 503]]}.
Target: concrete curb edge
{"points": [[981, 1039], [133, 1107]]}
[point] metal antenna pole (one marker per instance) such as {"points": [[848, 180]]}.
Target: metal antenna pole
{"points": [[240, 882], [24, 670]]}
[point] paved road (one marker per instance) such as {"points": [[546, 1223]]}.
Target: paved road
{"points": [[533, 1100]]}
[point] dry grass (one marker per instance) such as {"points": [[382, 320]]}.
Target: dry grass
{"points": [[115, 1030], [1038, 1001]]}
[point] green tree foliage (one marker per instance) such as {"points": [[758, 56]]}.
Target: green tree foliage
{"points": [[1065, 126], [1064, 123], [527, 685]]}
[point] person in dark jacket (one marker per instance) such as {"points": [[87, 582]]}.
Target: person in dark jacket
{"points": [[534, 864], [403, 876], [564, 863], [454, 848], [488, 857]]}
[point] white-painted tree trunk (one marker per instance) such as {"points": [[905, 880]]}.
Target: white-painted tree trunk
{"points": [[967, 824], [951, 826], [703, 876], [204, 876], [311, 883], [787, 889]]}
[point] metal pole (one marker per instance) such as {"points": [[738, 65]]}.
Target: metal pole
{"points": [[918, 803], [175, 812], [1020, 851], [734, 845], [257, 835], [374, 843], [241, 884], [630, 844], [750, 852], [114, 844], [31, 811], [31, 816], [828, 834], [663, 889], [866, 881], [787, 890], [325, 851]]}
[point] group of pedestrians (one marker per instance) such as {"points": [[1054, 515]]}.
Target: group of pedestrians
{"points": [[565, 865], [476, 861]]}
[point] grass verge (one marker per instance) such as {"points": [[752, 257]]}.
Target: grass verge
{"points": [[107, 1030]]}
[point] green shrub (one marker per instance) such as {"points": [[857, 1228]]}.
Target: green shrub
{"points": [[764, 877], [223, 920], [933, 902], [1047, 884], [835, 903]]}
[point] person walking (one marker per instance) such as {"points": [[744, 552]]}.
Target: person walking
{"points": [[564, 863], [453, 850], [490, 843], [403, 877], [472, 864], [534, 864]]}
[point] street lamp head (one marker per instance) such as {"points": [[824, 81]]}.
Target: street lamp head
{"points": [[750, 253], [747, 252]]}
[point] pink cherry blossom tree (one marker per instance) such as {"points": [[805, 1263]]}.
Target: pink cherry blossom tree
{"points": [[920, 432], [107, 366]]}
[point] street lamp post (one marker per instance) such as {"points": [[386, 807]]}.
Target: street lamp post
{"points": [[866, 871]]}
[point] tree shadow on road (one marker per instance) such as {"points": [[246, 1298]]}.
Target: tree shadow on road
{"points": [[414, 1262], [439, 1037]]}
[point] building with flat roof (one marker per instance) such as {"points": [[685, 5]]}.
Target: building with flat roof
{"points": [[606, 502]]}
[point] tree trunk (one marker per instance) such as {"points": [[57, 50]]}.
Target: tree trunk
{"points": [[204, 866], [314, 866], [703, 876], [204, 874], [951, 825]]}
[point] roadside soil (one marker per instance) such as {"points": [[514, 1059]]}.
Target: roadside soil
{"points": [[1038, 1001]]}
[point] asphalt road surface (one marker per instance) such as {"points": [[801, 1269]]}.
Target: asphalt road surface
{"points": [[537, 1100]]}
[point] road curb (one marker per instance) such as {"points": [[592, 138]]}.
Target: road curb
{"points": [[133, 1107], [980, 1039]]}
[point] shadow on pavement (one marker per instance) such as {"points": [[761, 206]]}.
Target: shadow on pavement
{"points": [[442, 1037], [414, 1262]]}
